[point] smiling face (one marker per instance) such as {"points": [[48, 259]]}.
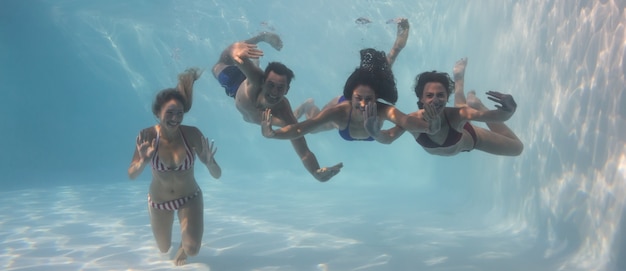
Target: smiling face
{"points": [[361, 96], [436, 94], [274, 88], [171, 115]]}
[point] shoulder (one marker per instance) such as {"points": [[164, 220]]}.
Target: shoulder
{"points": [[283, 111], [192, 133], [455, 116], [383, 107], [150, 132], [339, 109]]}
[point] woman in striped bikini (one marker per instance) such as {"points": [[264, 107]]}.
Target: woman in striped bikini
{"points": [[170, 149]]}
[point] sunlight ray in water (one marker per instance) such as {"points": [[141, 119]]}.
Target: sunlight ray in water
{"points": [[87, 69]]}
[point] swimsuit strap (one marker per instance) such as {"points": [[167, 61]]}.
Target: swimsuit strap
{"points": [[452, 137], [155, 156], [187, 163], [345, 133]]}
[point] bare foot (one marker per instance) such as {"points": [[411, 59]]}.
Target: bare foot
{"points": [[273, 39], [474, 102], [181, 257], [304, 108]]}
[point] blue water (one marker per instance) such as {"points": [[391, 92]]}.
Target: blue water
{"points": [[78, 77]]}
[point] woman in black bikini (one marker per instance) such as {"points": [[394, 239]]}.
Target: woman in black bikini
{"points": [[456, 133]]}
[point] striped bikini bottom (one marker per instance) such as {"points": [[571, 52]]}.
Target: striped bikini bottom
{"points": [[172, 205]]}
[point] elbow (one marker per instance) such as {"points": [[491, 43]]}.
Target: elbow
{"points": [[132, 175]]}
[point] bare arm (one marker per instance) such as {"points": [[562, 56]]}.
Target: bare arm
{"points": [[423, 121], [504, 111], [206, 152], [302, 149], [225, 57], [310, 161], [296, 130], [145, 146]]}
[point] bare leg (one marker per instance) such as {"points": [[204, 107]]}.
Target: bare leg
{"points": [[310, 110], [162, 222], [307, 108], [270, 38], [191, 219], [459, 82], [500, 140], [401, 38]]}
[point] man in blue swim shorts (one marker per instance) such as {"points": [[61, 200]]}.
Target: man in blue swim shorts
{"points": [[229, 75], [256, 90]]}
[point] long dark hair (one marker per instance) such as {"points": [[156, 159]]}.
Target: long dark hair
{"points": [[375, 72]]}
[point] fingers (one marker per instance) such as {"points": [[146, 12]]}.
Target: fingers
{"points": [[495, 94], [371, 109], [238, 59], [497, 100], [212, 147], [267, 115], [253, 51]]}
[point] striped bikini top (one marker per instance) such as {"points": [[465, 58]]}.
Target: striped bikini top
{"points": [[185, 165]]}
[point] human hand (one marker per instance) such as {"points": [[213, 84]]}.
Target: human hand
{"points": [[506, 101], [207, 153], [241, 50], [266, 124], [145, 148], [370, 120], [431, 116], [459, 69], [325, 173]]}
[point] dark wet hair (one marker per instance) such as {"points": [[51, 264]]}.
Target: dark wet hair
{"points": [[165, 96], [432, 77], [374, 72], [280, 69]]}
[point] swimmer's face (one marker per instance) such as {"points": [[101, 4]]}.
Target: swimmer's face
{"points": [[171, 115], [435, 93], [274, 88], [361, 96]]}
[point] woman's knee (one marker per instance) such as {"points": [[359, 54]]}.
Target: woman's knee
{"points": [[164, 247]]}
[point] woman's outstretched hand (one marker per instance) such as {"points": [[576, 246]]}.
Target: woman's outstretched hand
{"points": [[371, 122], [145, 148], [506, 101], [207, 154]]}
